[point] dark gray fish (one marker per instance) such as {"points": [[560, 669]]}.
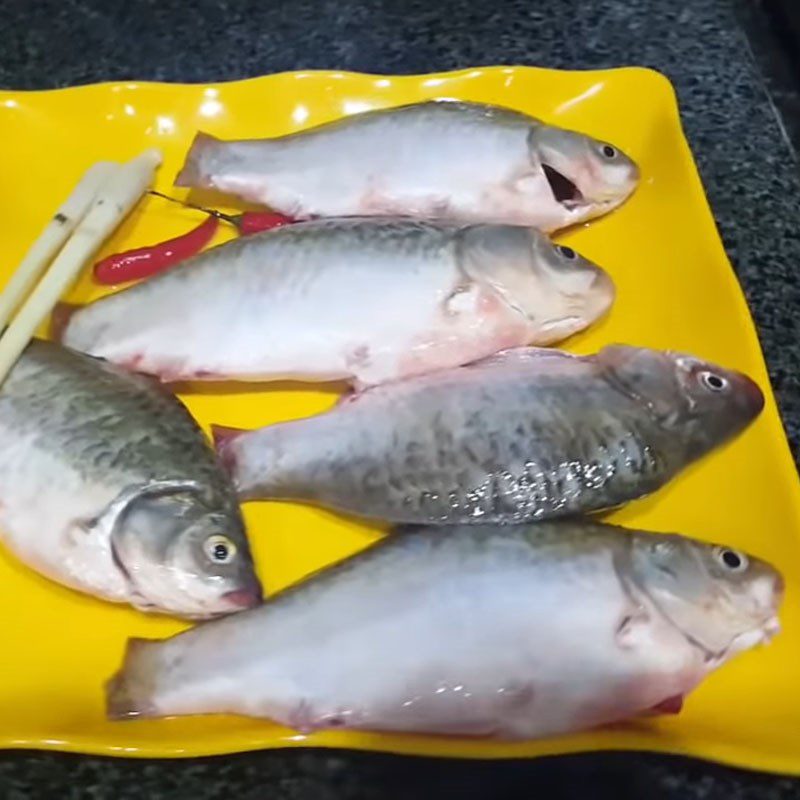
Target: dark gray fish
{"points": [[527, 434], [108, 485]]}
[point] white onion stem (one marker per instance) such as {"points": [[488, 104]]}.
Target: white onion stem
{"points": [[113, 201], [52, 238]]}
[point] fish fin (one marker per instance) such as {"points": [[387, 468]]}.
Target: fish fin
{"points": [[355, 391], [60, 318], [105, 522], [408, 528], [129, 692], [305, 718], [632, 628], [193, 172], [222, 435], [463, 300], [672, 705], [524, 354]]}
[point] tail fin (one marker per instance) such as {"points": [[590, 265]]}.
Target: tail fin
{"points": [[194, 172], [129, 693]]}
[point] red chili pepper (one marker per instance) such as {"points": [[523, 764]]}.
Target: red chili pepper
{"points": [[255, 221], [145, 261]]}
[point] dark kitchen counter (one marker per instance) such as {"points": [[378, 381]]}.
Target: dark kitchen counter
{"points": [[733, 84]]}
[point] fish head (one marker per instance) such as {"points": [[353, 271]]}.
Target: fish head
{"points": [[723, 600], [557, 290], [185, 559], [568, 292], [587, 177], [700, 404]]}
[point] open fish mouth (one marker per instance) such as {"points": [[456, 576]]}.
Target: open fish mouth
{"points": [[563, 189]]}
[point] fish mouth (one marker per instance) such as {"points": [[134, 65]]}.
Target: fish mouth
{"points": [[740, 643], [564, 190], [240, 599]]}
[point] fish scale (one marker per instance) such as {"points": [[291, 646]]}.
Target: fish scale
{"points": [[81, 436], [363, 300], [440, 159], [479, 630], [86, 389], [527, 434]]}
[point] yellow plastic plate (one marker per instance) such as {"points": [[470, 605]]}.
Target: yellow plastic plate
{"points": [[676, 290]]}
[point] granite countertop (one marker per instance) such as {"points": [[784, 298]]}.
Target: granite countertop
{"points": [[730, 80]]}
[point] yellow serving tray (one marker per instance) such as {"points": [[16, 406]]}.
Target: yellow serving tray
{"points": [[676, 290]]}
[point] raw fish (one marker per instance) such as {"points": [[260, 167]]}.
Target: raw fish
{"points": [[447, 160], [108, 485], [506, 631], [363, 300], [524, 435]]}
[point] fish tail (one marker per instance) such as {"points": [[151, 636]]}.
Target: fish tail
{"points": [[194, 172], [129, 693]]}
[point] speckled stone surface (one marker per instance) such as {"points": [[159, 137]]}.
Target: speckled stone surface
{"points": [[723, 80]]}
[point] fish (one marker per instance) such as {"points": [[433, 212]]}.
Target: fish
{"points": [[362, 300], [108, 486], [506, 631], [527, 434], [469, 162]]}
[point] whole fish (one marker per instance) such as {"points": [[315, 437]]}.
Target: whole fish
{"points": [[108, 486], [524, 435], [358, 299], [507, 631], [446, 160]]}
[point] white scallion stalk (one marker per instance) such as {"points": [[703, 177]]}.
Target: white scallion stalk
{"points": [[52, 238], [114, 200]]}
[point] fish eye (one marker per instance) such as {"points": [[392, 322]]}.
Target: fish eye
{"points": [[609, 151], [712, 381], [567, 252], [219, 549], [732, 560]]}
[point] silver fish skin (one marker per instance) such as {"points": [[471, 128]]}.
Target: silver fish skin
{"points": [[363, 300], [447, 160], [497, 631], [108, 486], [527, 434]]}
